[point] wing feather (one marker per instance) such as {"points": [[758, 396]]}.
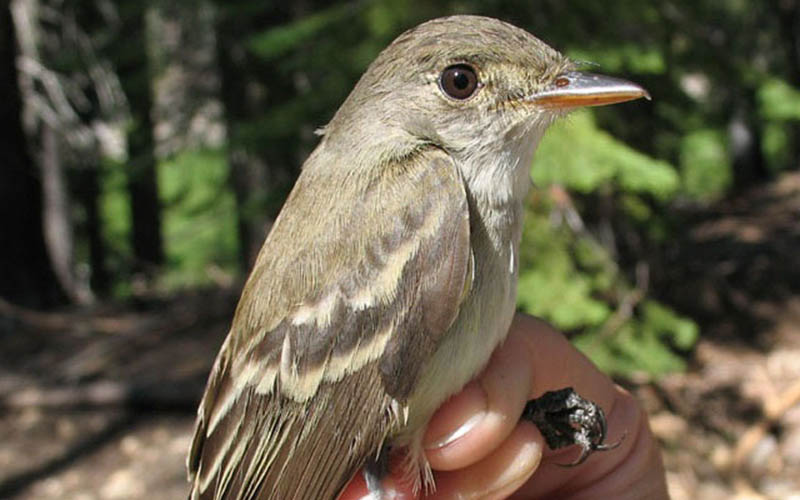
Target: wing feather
{"points": [[344, 305]]}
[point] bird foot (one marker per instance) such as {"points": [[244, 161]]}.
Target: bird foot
{"points": [[374, 472], [564, 418]]}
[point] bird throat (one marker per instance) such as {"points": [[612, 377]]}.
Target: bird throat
{"points": [[498, 181]]}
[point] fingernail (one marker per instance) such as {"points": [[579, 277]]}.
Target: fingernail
{"points": [[524, 463], [459, 432], [470, 402]]}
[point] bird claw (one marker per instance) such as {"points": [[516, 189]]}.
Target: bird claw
{"points": [[565, 418], [375, 471]]}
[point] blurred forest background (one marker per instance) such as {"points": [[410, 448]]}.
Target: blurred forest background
{"points": [[151, 144]]}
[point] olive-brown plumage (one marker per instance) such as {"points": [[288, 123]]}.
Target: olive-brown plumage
{"points": [[390, 274]]}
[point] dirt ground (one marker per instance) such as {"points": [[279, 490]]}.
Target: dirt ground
{"points": [[99, 404]]}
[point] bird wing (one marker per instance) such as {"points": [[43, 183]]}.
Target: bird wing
{"points": [[344, 305]]}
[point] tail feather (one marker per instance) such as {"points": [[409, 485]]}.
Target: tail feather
{"points": [[268, 447]]}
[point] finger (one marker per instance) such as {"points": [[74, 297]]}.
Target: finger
{"points": [[477, 420], [557, 364], [498, 475], [632, 470], [535, 358], [472, 424]]}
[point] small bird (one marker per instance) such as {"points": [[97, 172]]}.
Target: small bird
{"points": [[389, 276]]}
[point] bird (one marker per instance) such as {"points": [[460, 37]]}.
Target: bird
{"points": [[389, 276]]}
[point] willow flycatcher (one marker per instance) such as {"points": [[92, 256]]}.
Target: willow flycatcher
{"points": [[390, 275]]}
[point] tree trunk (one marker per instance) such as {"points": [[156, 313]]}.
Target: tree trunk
{"points": [[259, 178], [788, 16], [745, 139], [88, 195], [58, 229], [26, 275], [146, 239], [247, 173]]}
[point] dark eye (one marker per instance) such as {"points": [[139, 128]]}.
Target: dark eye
{"points": [[459, 81]]}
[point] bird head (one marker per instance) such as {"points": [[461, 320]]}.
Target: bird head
{"points": [[469, 85]]}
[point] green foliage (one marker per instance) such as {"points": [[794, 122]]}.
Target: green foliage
{"points": [[779, 106], [705, 165], [576, 154], [776, 145], [552, 282], [779, 101], [642, 344], [199, 218], [569, 279], [278, 41], [115, 215], [622, 58]]}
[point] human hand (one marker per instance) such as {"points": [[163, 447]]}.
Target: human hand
{"points": [[479, 448]]}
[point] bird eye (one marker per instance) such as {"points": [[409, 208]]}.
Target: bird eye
{"points": [[459, 81]]}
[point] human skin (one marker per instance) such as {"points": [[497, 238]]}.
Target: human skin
{"points": [[479, 448]]}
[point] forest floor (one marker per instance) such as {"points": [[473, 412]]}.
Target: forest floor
{"points": [[99, 404]]}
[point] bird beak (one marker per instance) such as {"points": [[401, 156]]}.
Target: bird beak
{"points": [[578, 89]]}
